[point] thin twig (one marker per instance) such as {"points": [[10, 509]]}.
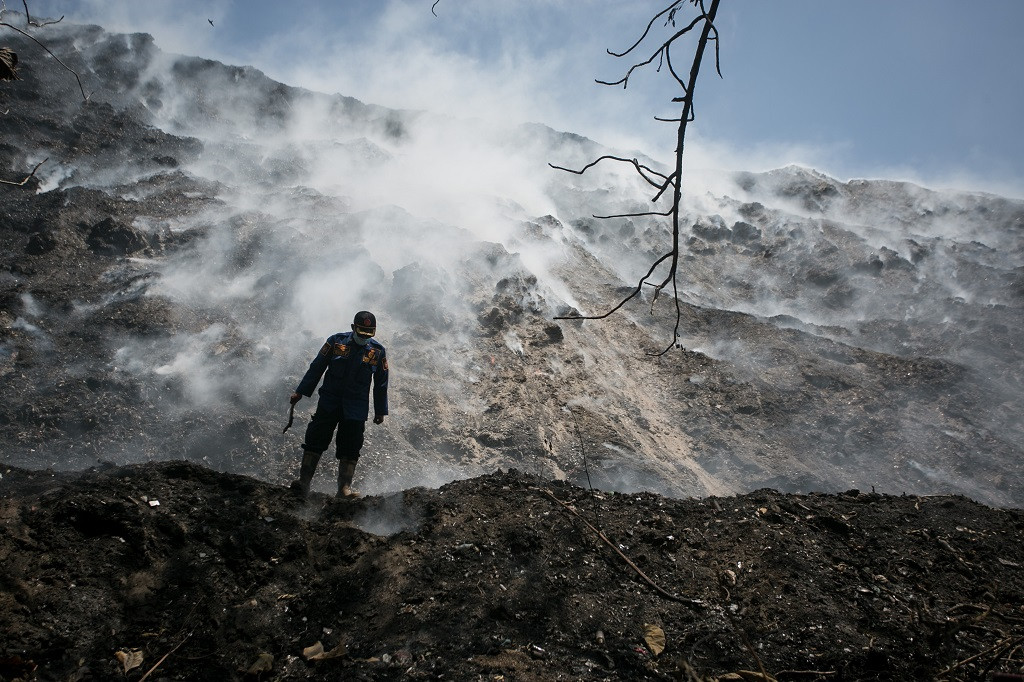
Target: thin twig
{"points": [[671, 7], [624, 81], [1005, 642], [163, 658], [820, 673], [640, 168], [660, 590], [586, 467], [753, 652], [583, 450], [637, 290], [633, 215], [28, 19], [27, 177]]}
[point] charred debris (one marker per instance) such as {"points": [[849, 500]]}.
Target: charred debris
{"points": [[174, 571]]}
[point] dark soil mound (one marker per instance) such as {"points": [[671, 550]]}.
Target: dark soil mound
{"points": [[210, 576]]}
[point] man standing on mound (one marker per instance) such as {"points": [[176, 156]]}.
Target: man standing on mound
{"points": [[352, 361]]}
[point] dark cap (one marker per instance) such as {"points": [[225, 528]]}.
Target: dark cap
{"points": [[364, 318]]}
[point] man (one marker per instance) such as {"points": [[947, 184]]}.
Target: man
{"points": [[352, 360]]}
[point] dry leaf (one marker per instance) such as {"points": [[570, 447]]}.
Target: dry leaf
{"points": [[336, 652], [311, 651], [129, 659], [655, 638], [264, 664]]}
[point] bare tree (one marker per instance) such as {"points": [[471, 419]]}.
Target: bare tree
{"points": [[662, 55]]}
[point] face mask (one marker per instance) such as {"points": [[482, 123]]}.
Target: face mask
{"points": [[358, 340]]}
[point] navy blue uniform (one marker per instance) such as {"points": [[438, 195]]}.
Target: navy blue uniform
{"points": [[348, 370]]}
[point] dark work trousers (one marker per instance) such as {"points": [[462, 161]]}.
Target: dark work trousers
{"points": [[321, 428]]}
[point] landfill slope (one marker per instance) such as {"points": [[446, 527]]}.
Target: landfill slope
{"points": [[196, 230]]}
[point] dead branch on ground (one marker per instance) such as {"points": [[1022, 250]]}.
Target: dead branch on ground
{"points": [[657, 588], [662, 54], [27, 177]]}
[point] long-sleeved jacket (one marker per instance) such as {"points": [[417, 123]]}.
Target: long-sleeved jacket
{"points": [[350, 369]]}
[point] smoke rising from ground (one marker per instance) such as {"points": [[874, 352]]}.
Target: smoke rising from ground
{"points": [[828, 327]]}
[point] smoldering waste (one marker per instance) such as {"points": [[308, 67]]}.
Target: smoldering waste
{"points": [[180, 572]]}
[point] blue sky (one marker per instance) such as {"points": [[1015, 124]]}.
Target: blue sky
{"points": [[925, 90]]}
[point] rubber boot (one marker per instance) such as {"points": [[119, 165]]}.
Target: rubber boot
{"points": [[309, 462], [346, 472]]}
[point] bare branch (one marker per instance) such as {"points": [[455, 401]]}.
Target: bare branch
{"points": [[633, 215], [668, 60], [671, 8], [637, 290], [669, 182], [625, 79], [718, 61], [73, 72], [709, 32], [640, 168], [28, 19], [659, 52], [27, 177]]}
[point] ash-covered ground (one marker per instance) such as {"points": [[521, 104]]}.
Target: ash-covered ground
{"points": [[184, 573], [196, 230]]}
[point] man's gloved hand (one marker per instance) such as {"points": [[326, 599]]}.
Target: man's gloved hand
{"points": [[378, 419], [296, 397]]}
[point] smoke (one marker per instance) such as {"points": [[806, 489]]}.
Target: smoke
{"points": [[462, 240], [389, 516]]}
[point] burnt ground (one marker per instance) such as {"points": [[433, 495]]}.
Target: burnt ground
{"points": [[187, 573]]}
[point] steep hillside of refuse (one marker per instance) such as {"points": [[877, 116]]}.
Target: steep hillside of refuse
{"points": [[198, 229]]}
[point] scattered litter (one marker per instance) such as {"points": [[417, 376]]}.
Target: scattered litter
{"points": [[654, 637], [264, 664], [154, 503], [316, 652], [130, 659]]}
